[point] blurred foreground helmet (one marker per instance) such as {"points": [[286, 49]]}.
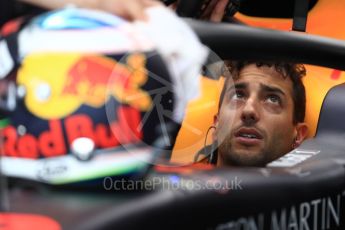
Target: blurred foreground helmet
{"points": [[88, 95]]}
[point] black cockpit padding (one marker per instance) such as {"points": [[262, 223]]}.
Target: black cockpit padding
{"points": [[332, 114]]}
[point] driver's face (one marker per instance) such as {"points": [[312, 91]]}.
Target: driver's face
{"points": [[255, 121]]}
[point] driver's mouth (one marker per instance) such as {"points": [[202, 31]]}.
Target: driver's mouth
{"points": [[248, 136]]}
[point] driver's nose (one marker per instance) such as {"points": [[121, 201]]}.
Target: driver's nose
{"points": [[250, 113]]}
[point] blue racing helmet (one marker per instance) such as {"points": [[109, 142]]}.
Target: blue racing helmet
{"points": [[86, 96]]}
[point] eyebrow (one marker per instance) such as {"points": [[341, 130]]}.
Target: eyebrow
{"points": [[264, 87], [272, 89], [238, 86]]}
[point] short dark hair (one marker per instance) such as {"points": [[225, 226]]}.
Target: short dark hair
{"points": [[294, 71]]}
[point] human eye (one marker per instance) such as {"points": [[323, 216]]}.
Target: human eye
{"points": [[237, 95], [274, 99]]}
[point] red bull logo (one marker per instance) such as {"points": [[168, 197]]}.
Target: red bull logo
{"points": [[91, 77], [52, 142], [57, 85]]}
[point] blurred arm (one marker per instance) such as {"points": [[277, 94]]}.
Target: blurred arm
{"points": [[129, 9]]}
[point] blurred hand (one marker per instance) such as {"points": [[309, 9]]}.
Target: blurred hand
{"points": [[128, 9]]}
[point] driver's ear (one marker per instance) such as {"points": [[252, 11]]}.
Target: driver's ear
{"points": [[215, 126], [301, 133]]}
